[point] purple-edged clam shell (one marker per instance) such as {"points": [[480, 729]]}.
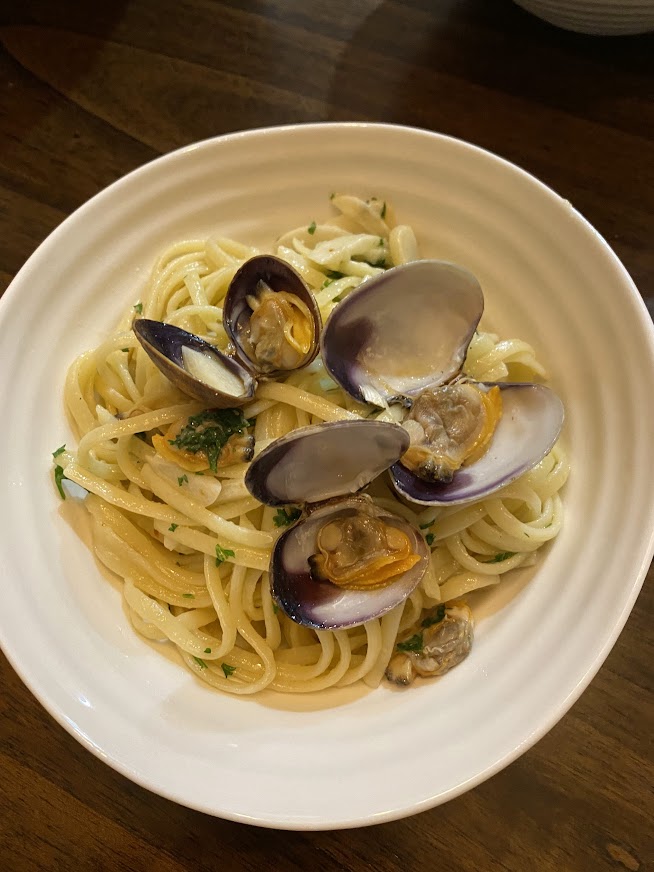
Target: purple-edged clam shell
{"points": [[326, 606], [532, 417], [403, 331], [324, 461], [164, 344], [279, 276]]}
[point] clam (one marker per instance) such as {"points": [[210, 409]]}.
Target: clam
{"points": [[403, 338], [272, 320], [345, 560]]}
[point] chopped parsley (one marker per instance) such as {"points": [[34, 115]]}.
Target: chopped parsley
{"points": [[381, 242], [383, 210], [173, 527], [227, 669], [139, 308], [222, 554], [207, 650], [188, 595], [200, 663], [430, 620], [503, 555], [337, 299], [284, 517], [312, 228], [332, 195], [124, 349], [182, 479], [335, 274], [429, 539], [209, 431], [327, 283], [428, 524], [275, 608], [415, 643], [59, 477], [59, 450]]}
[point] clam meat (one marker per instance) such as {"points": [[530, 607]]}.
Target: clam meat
{"points": [[361, 552], [441, 640], [450, 426], [280, 332]]}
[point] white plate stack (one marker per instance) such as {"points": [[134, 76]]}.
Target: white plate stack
{"points": [[600, 17]]}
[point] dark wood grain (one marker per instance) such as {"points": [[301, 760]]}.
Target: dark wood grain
{"points": [[88, 91]]}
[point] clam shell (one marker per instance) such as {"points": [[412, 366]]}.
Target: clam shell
{"points": [[403, 331], [164, 343], [324, 461], [532, 417], [326, 606], [279, 276]]}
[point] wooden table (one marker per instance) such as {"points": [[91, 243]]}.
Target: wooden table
{"points": [[88, 91]]}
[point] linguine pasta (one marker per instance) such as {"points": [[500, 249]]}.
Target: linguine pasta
{"points": [[193, 549]]}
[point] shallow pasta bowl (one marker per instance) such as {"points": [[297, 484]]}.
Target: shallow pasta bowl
{"points": [[350, 757]]}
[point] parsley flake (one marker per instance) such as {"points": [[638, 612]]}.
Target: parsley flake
{"points": [[383, 211], [430, 620], [222, 554], [275, 608], [381, 242], [139, 308], [124, 349], [188, 595], [312, 228], [428, 524], [207, 650], [59, 450], [503, 555], [429, 539], [173, 527], [227, 669], [415, 643], [327, 283], [200, 663], [337, 299], [182, 479], [59, 477], [284, 517], [209, 431]]}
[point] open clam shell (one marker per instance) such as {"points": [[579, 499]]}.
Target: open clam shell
{"points": [[324, 461], [532, 417], [276, 276], [326, 606], [196, 367], [403, 331], [320, 467]]}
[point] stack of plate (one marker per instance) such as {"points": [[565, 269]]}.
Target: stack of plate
{"points": [[608, 17]]}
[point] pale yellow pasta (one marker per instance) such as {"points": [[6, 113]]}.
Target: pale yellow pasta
{"points": [[194, 554]]}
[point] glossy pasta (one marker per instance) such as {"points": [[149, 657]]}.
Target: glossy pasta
{"points": [[193, 550]]}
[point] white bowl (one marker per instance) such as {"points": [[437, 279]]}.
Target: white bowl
{"points": [[344, 758], [599, 17]]}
